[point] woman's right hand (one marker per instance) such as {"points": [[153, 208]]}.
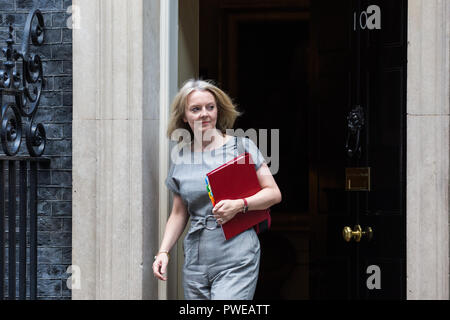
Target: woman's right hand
{"points": [[160, 266]]}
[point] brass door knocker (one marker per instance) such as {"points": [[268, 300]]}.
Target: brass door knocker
{"points": [[355, 122]]}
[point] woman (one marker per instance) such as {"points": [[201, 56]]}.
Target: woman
{"points": [[214, 268]]}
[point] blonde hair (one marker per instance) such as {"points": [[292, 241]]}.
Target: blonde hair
{"points": [[226, 109]]}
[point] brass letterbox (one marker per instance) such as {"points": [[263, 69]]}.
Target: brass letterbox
{"points": [[357, 179]]}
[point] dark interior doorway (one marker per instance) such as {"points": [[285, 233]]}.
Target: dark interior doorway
{"points": [[299, 66]]}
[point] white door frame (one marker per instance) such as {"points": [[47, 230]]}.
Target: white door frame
{"points": [[428, 150]]}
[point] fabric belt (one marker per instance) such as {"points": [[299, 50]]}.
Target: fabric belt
{"points": [[208, 222]]}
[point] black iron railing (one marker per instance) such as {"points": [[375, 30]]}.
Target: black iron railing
{"points": [[18, 203], [18, 174]]}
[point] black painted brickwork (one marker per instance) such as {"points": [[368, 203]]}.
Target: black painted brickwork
{"points": [[55, 112]]}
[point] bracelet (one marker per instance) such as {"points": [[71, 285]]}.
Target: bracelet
{"points": [[166, 252], [245, 206]]}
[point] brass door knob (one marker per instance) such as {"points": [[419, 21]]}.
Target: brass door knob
{"points": [[357, 234]]}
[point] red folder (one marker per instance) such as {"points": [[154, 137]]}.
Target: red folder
{"points": [[237, 179]]}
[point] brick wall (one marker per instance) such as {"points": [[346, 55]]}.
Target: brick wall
{"points": [[55, 112]]}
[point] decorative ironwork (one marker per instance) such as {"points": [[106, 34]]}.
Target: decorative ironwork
{"points": [[355, 122], [26, 88], [16, 121]]}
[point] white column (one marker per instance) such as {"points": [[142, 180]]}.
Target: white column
{"points": [[116, 148], [168, 79], [428, 149], [188, 67]]}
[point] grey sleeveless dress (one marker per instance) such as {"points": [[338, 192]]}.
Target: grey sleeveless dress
{"points": [[214, 268]]}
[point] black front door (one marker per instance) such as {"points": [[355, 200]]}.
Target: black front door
{"points": [[358, 249], [331, 76], [383, 95]]}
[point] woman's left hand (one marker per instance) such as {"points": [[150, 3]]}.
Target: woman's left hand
{"points": [[225, 210]]}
